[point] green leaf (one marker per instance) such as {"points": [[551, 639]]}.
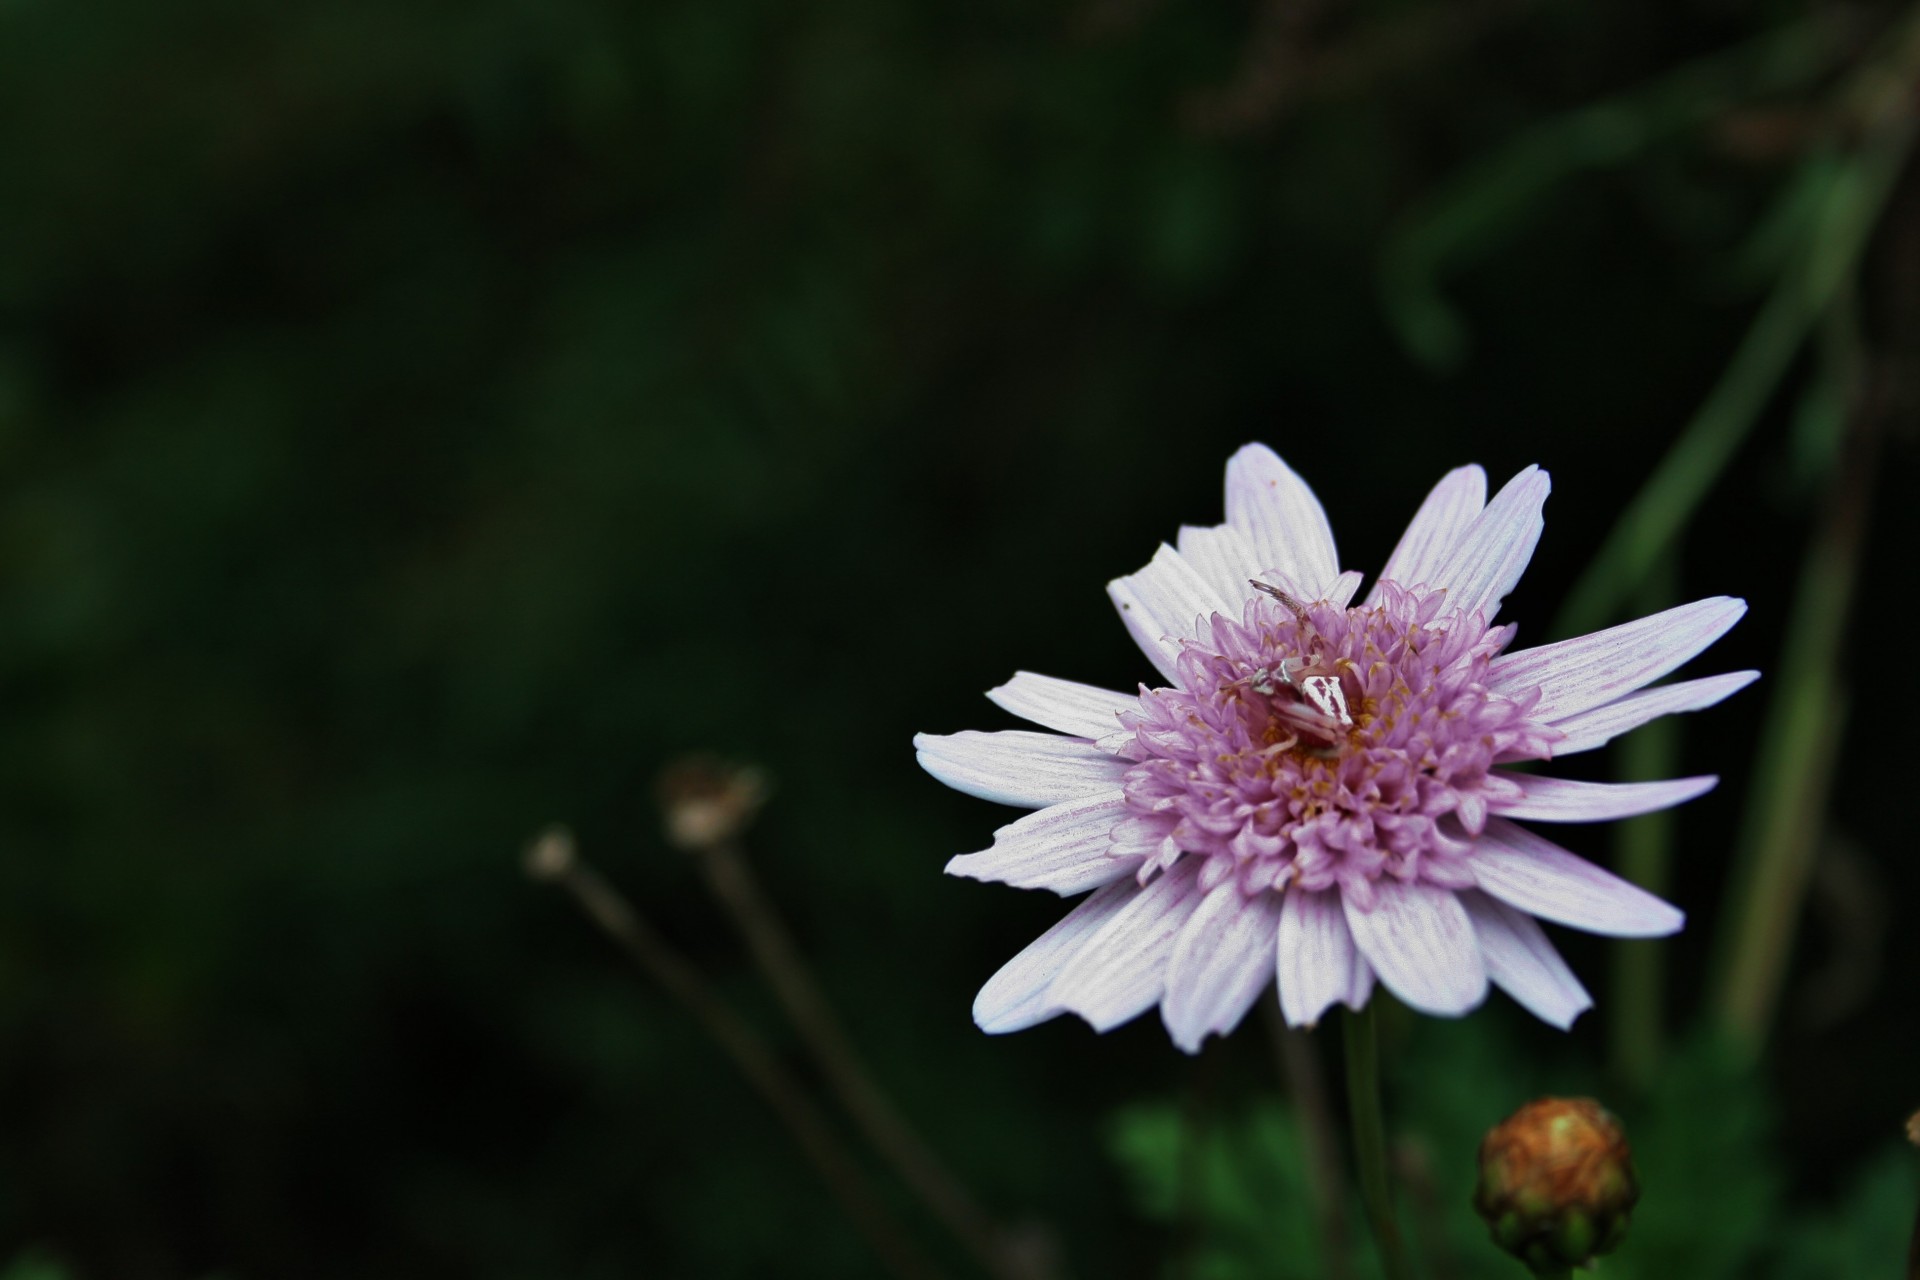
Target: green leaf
{"points": [[1234, 1192]]}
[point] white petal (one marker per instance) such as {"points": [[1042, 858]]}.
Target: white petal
{"points": [[1015, 997], [1018, 766], [1122, 970], [1532, 873], [1163, 604], [1589, 671], [1494, 549], [1565, 800], [1524, 963], [1062, 847], [1222, 961], [1602, 725], [1436, 529], [1316, 961], [1222, 555], [1280, 516], [1343, 588], [1418, 939], [1081, 710]]}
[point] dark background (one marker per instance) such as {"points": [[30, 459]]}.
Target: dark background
{"points": [[422, 423]]}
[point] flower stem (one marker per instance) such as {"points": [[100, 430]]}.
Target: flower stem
{"points": [[1644, 847], [1189, 1211], [554, 859], [1370, 1138], [1799, 750], [1298, 1056]]}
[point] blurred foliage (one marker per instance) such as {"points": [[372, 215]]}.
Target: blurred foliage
{"points": [[1230, 1187], [1238, 1188], [1476, 211], [32, 1266], [421, 423]]}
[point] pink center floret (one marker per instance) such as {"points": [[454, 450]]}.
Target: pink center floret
{"points": [[1274, 775]]}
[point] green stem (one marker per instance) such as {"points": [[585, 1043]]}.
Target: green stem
{"points": [[1189, 1208], [1798, 752], [1370, 1139], [1645, 848], [1643, 851], [1799, 749], [1653, 520], [1299, 1060]]}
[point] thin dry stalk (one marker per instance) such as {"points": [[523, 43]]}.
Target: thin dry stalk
{"points": [[722, 802], [781, 963], [553, 858]]}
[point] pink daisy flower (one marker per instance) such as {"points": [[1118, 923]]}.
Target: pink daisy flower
{"points": [[1315, 794]]}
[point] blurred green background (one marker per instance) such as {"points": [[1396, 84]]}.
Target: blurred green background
{"points": [[421, 423]]}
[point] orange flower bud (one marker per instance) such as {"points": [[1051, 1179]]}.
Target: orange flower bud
{"points": [[1557, 1183]]}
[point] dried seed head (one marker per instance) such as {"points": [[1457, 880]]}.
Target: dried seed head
{"points": [[708, 801], [551, 854]]}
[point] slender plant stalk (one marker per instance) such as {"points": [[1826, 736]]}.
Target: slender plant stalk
{"points": [[1780, 837], [730, 877], [1799, 748], [1413, 1166], [1370, 1138], [1798, 751], [1295, 1051], [553, 858], [1189, 1210], [1645, 852], [1644, 849], [1647, 529]]}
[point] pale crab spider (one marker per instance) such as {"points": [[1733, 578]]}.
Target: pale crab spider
{"points": [[1311, 678]]}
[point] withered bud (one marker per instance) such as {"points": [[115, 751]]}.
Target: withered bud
{"points": [[1913, 1128], [550, 855], [707, 801], [1557, 1183]]}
